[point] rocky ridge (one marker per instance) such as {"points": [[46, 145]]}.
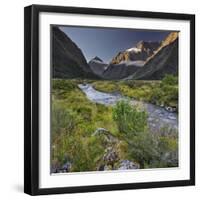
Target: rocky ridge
{"points": [[141, 51], [163, 61]]}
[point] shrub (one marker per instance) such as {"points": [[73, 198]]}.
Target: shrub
{"points": [[132, 125], [63, 125], [84, 153], [168, 151], [105, 86], [61, 84], [143, 148], [130, 119], [166, 93], [169, 80], [63, 120], [148, 149], [70, 141]]}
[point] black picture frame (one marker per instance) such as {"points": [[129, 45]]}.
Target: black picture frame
{"points": [[31, 98]]}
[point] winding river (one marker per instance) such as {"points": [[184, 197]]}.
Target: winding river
{"points": [[159, 119]]}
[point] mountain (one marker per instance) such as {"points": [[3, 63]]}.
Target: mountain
{"points": [[141, 51], [163, 61], [130, 61], [147, 60], [97, 65], [121, 70], [68, 60], [96, 58]]}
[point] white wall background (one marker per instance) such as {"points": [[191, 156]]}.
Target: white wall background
{"points": [[11, 98]]}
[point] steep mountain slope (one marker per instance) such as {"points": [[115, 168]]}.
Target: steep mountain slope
{"points": [[97, 65], [122, 70], [163, 61], [68, 60], [141, 52]]}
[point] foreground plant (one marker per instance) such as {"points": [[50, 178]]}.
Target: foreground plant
{"points": [[149, 150]]}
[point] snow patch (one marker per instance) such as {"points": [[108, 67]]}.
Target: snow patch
{"points": [[138, 63], [134, 49]]}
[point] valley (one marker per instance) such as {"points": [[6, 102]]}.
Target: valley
{"points": [[118, 114]]}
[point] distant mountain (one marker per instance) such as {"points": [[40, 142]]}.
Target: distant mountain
{"points": [[96, 58], [163, 61], [97, 65], [68, 60], [141, 51]]}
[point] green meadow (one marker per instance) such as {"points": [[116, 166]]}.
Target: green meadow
{"points": [[75, 119]]}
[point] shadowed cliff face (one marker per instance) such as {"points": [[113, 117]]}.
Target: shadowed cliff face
{"points": [[167, 41], [163, 61], [68, 60], [119, 71]]}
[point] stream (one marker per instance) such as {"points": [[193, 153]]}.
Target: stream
{"points": [[159, 119]]}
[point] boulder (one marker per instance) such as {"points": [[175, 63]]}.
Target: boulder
{"points": [[63, 169], [127, 164], [111, 156], [107, 135]]}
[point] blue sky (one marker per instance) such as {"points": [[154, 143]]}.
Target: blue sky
{"points": [[107, 42]]}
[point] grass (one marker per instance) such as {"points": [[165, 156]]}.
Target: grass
{"points": [[162, 93], [75, 119]]}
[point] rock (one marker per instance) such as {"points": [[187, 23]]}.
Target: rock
{"points": [[101, 131], [101, 168], [153, 125], [110, 156], [126, 164], [162, 105], [109, 159], [63, 169], [54, 170], [170, 158], [55, 166], [171, 117], [106, 134], [150, 119], [104, 168], [170, 109], [66, 167]]}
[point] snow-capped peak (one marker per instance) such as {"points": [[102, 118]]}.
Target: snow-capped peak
{"points": [[134, 49]]}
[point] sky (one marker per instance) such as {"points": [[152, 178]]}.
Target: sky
{"points": [[108, 42]]}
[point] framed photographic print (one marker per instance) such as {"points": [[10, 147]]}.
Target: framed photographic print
{"points": [[109, 100]]}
